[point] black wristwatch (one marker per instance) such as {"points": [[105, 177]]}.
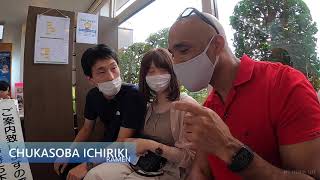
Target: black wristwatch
{"points": [[242, 159], [159, 151], [90, 165]]}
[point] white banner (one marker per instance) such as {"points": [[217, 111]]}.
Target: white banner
{"points": [[87, 28], [52, 40], [11, 136]]}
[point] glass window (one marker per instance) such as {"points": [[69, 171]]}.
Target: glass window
{"points": [[121, 5], [1, 31], [278, 30], [105, 10], [149, 28], [125, 37], [158, 15]]}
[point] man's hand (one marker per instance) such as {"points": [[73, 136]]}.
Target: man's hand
{"points": [[78, 172], [143, 145], [207, 131]]}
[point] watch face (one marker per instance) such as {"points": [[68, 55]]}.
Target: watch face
{"points": [[89, 165], [241, 160], [244, 155], [159, 151]]}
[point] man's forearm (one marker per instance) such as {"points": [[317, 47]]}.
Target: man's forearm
{"points": [[82, 136], [258, 169], [199, 176], [261, 169], [200, 168]]}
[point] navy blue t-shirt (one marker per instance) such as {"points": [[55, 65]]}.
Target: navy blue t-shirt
{"points": [[127, 109]]}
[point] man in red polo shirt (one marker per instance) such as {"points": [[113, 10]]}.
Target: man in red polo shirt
{"points": [[261, 121]]}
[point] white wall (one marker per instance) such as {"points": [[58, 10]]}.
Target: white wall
{"points": [[12, 34], [23, 37]]}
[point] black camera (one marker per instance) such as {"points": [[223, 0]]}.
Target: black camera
{"points": [[150, 165]]}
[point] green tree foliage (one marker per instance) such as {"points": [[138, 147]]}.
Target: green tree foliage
{"points": [[264, 26], [199, 96], [130, 59], [159, 39]]}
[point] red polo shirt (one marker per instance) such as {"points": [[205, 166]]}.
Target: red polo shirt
{"points": [[268, 106]]}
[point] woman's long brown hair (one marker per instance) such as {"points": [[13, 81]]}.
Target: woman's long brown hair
{"points": [[161, 58]]}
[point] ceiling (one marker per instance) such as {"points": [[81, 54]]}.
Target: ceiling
{"points": [[15, 11]]}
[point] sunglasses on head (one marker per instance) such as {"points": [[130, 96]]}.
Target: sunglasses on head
{"points": [[190, 11]]}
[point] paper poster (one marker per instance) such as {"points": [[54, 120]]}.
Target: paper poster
{"points": [[13, 168], [19, 97], [87, 28], [5, 66], [52, 40]]}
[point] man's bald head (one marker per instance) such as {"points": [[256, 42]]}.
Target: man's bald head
{"points": [[193, 34], [190, 28], [195, 26]]}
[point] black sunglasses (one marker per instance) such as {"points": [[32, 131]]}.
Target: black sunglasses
{"points": [[189, 11]]}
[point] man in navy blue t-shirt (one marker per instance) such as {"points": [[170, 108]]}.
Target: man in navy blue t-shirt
{"points": [[119, 106]]}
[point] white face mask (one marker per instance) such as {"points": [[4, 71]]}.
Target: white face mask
{"points": [[110, 88], [158, 83], [196, 73]]}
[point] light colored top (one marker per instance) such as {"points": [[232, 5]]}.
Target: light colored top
{"points": [[180, 155], [158, 128]]}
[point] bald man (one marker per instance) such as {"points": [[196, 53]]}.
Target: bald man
{"points": [[262, 119]]}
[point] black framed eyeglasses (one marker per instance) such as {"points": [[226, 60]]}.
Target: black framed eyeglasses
{"points": [[190, 11]]}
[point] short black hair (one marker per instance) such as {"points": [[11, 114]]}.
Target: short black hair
{"points": [[94, 54], [4, 86]]}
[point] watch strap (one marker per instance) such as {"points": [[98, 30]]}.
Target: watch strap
{"points": [[90, 165], [242, 159]]}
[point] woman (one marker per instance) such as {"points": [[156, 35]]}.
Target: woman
{"points": [[4, 90], [163, 124]]}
